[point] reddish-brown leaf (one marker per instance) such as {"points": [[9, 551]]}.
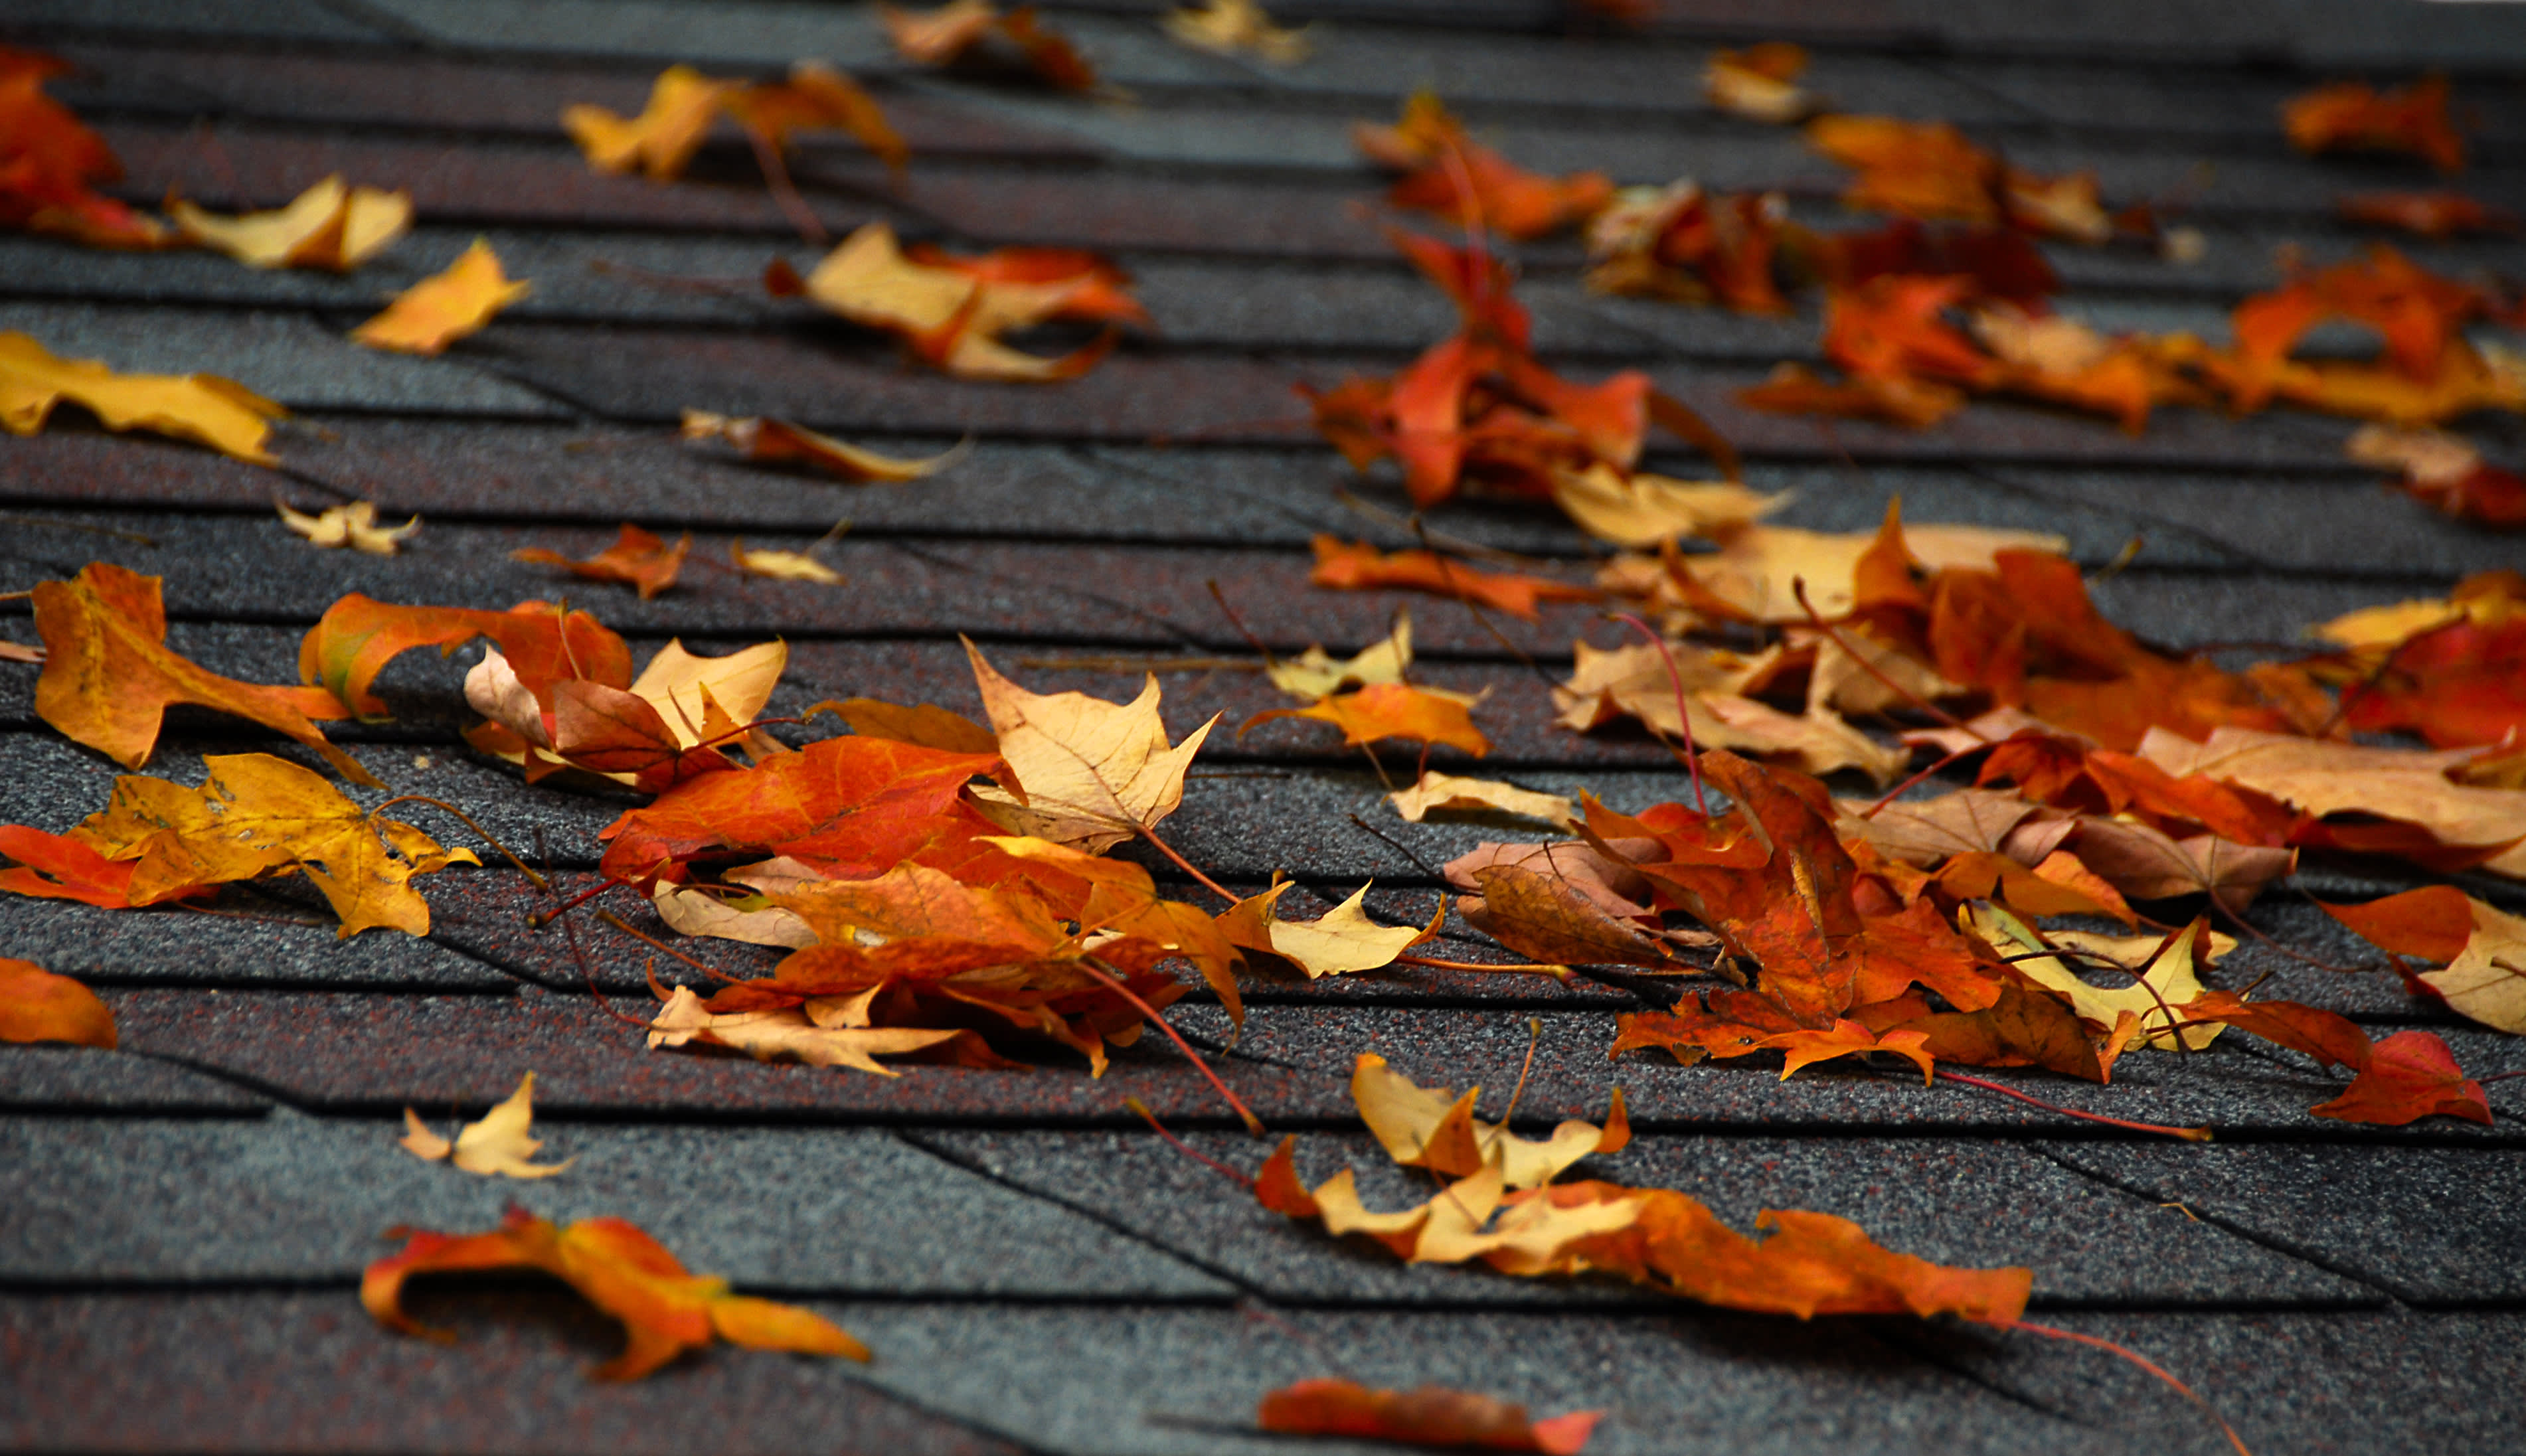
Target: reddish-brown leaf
{"points": [[357, 637], [2410, 1076], [2425, 213], [2416, 121], [2433, 922], [1430, 1415], [637, 559], [1360, 567], [35, 1005]]}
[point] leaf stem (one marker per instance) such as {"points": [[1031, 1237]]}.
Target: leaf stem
{"points": [[1113, 983], [506, 853], [1186, 1148], [624, 926], [1682, 714], [2050, 1331], [2189, 1135], [1188, 866]]}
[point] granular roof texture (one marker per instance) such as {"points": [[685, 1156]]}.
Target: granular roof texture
{"points": [[183, 1222]]}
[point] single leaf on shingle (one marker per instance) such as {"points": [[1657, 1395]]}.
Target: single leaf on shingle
{"points": [[202, 408], [1094, 772], [1316, 673], [951, 312], [1358, 566], [1228, 28], [1390, 710], [1342, 941], [255, 814], [957, 30], [779, 441], [1644, 510], [35, 1005], [109, 675], [2409, 1075], [621, 1271], [501, 1141], [2425, 213], [1436, 793], [439, 310], [1758, 82], [823, 1031], [782, 566], [637, 559], [328, 226], [354, 526], [815, 98], [1430, 1416], [2416, 121], [53, 163], [662, 139]]}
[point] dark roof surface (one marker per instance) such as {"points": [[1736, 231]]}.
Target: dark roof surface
{"points": [[183, 1222]]}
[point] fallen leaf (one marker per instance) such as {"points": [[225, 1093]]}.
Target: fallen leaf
{"points": [[2431, 214], [637, 559], [779, 441], [428, 317], [1430, 1416], [2169, 982], [1683, 244], [56, 867], [1557, 921], [1432, 1128], [1228, 28], [35, 1005], [621, 1271], [814, 98], [2353, 116], [1314, 674], [1635, 680], [1390, 710], [2409, 1075], [662, 139], [1340, 942], [957, 30], [1758, 82], [357, 637], [501, 1141], [952, 312], [1449, 174], [328, 226], [752, 920], [2486, 981], [824, 1031], [2433, 922], [109, 675], [1359, 567], [926, 724], [1094, 772], [50, 164], [1436, 793], [354, 526], [782, 566], [256, 814], [202, 408], [1646, 510]]}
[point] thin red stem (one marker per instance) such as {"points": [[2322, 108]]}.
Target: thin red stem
{"points": [[1682, 714], [2189, 1135], [544, 918], [624, 926], [1558, 973], [1186, 1148], [1798, 589], [2050, 1331], [785, 193], [1896, 792], [1254, 1123], [1188, 866]]}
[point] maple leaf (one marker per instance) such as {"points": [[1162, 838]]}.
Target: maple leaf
{"points": [[2409, 1075], [1228, 28], [50, 164], [1558, 921], [662, 139], [2432, 215], [2452, 670], [256, 814], [2355, 116], [1360, 567], [1635, 681], [1390, 710], [202, 408], [621, 1271], [1928, 169], [2444, 472], [1430, 1416], [1092, 773], [2169, 980], [637, 559], [109, 675], [814, 98], [1445, 793], [2485, 948], [671, 724], [959, 31], [428, 317], [357, 637], [35, 1005], [1434, 1128], [782, 566], [328, 226], [1314, 674], [54, 866], [951, 312], [1758, 82], [1449, 174], [777, 441], [354, 526], [501, 1141], [926, 724], [1755, 572], [821, 1031], [1646, 510], [1340, 942]]}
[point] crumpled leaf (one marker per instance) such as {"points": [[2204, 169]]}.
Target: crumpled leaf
{"points": [[109, 675], [428, 317], [354, 526], [1758, 82], [637, 559], [782, 566], [256, 814], [961, 29], [1340, 941], [357, 637], [823, 1031], [1228, 28], [1635, 681], [1434, 1128], [50, 164], [952, 312], [35, 1005], [757, 922], [1559, 922], [202, 408], [1451, 174], [1646, 510], [2355, 116], [1314, 674], [1436, 793], [500, 1143], [1680, 243], [662, 139], [814, 97], [779, 441], [1361, 567], [1928, 169], [1390, 710], [621, 1271], [328, 226], [1093, 773], [1430, 1416]]}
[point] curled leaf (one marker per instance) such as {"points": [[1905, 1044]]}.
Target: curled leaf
{"points": [[354, 526], [500, 1141], [328, 226], [439, 310], [35, 1005], [1430, 1415], [202, 408], [637, 559]]}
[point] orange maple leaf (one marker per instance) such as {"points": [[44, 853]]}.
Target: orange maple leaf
{"points": [[1680, 243], [1361, 567], [1390, 710], [2355, 116], [358, 635], [428, 317], [1460, 180], [665, 1311], [637, 559]]}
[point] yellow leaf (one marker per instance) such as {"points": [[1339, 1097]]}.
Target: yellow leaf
{"points": [[437, 311], [1314, 674], [328, 225], [1227, 27], [1635, 681], [685, 687], [1343, 941], [1645, 510], [1094, 772], [695, 911], [500, 1143], [829, 1031], [255, 813], [780, 440], [1755, 569], [2168, 981], [784, 566], [662, 139], [2488, 981], [1445, 792], [202, 408], [354, 526], [1434, 1128]]}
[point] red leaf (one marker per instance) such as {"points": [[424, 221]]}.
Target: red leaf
{"points": [[1430, 1415], [2410, 1076]]}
